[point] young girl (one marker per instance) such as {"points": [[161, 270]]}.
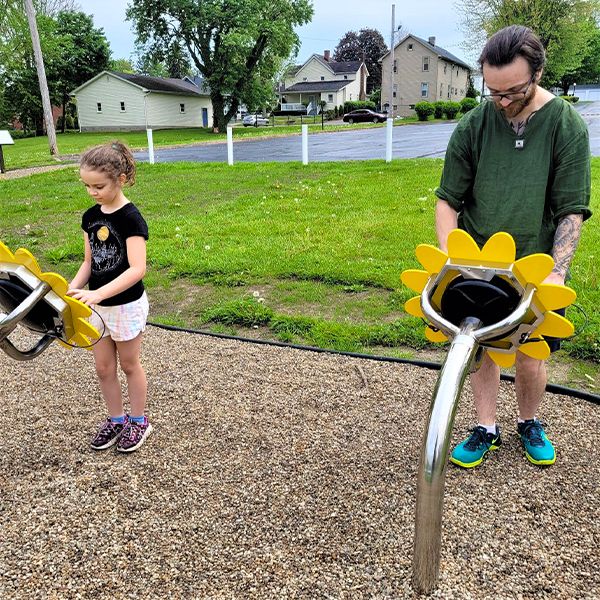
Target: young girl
{"points": [[115, 235]]}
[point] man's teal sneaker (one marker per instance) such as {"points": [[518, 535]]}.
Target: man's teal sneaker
{"points": [[470, 452], [538, 448]]}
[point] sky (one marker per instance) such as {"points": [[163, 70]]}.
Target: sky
{"points": [[331, 20]]}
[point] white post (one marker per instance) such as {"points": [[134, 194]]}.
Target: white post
{"points": [[388, 140], [150, 146], [304, 144], [230, 146], [392, 39]]}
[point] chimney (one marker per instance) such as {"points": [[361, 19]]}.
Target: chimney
{"points": [[431, 40], [326, 55]]}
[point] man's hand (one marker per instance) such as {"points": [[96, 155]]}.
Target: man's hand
{"points": [[555, 278]]}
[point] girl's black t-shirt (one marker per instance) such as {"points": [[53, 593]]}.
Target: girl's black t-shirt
{"points": [[108, 234]]}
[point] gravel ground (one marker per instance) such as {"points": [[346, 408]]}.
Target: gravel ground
{"points": [[277, 473]]}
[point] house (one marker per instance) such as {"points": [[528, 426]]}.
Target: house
{"points": [[422, 71], [113, 101], [321, 79]]}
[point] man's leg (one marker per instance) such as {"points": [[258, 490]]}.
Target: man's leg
{"points": [[530, 383], [486, 436]]}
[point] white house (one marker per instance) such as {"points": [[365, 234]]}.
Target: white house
{"points": [[321, 79], [113, 101]]}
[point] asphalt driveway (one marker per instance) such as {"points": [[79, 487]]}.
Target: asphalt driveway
{"points": [[409, 141]]}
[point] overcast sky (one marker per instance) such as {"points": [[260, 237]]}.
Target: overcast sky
{"points": [[331, 19]]}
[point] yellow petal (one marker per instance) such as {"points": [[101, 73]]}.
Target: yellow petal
{"points": [[462, 246], [5, 254], [24, 257], [415, 280], [539, 350], [79, 310], [533, 268], [432, 258], [413, 307], [554, 325], [87, 329], [553, 296], [59, 284], [435, 336], [502, 359], [499, 248]]}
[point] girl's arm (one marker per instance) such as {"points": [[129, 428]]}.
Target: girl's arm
{"points": [[85, 270], [136, 253]]}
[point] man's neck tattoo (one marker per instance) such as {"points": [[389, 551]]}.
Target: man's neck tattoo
{"points": [[519, 126]]}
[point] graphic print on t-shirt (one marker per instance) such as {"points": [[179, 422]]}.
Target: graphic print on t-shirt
{"points": [[107, 247]]}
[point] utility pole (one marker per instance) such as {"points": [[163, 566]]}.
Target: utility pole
{"points": [[41, 71], [392, 38]]}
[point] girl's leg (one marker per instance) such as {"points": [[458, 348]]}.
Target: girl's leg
{"points": [[129, 358], [105, 357]]}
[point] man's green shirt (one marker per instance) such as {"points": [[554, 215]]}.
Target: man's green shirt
{"points": [[498, 181]]}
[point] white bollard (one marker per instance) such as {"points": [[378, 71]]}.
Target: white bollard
{"points": [[388, 140], [304, 144], [150, 146], [230, 146]]}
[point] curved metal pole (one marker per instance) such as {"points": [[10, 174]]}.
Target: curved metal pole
{"points": [[10, 322], [434, 451]]}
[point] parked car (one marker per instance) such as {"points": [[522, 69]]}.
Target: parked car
{"points": [[254, 120], [365, 115]]}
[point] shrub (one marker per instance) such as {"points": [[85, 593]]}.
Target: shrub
{"points": [[467, 104], [424, 110], [438, 109], [571, 99], [451, 109], [351, 105]]}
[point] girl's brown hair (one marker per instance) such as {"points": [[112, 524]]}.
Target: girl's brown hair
{"points": [[114, 159]]}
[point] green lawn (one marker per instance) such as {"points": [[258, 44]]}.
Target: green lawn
{"points": [[278, 250]]}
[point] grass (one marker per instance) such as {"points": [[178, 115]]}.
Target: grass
{"points": [[301, 254]]}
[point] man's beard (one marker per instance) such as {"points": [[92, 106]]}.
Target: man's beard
{"points": [[516, 107]]}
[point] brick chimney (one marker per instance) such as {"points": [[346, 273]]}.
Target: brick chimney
{"points": [[326, 55], [431, 40]]}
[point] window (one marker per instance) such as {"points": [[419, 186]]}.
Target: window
{"points": [[395, 66], [445, 67], [322, 78], [394, 94], [441, 89], [345, 76], [395, 107], [426, 63], [424, 90], [122, 106], [98, 106], [304, 79], [182, 108], [330, 98], [409, 47]]}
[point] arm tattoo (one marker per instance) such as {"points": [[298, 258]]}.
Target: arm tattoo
{"points": [[566, 239]]}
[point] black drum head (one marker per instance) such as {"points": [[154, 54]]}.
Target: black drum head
{"points": [[41, 318]]}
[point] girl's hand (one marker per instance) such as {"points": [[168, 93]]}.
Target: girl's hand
{"points": [[89, 297]]}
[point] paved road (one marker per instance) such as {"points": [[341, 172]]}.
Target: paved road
{"points": [[409, 141]]}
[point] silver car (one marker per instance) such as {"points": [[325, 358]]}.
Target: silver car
{"points": [[254, 120]]}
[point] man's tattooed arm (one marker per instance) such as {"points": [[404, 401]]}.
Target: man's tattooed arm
{"points": [[566, 240]]}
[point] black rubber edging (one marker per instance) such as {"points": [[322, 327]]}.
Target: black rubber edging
{"points": [[551, 387]]}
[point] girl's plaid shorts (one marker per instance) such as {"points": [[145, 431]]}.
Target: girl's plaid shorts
{"points": [[123, 322]]}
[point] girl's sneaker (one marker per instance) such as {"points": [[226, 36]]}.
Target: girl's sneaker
{"points": [[108, 434], [133, 435]]}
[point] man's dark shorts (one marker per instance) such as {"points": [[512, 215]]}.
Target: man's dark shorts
{"points": [[553, 342]]}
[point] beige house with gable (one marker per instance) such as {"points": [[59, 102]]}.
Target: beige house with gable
{"points": [[113, 101], [422, 72], [321, 79]]}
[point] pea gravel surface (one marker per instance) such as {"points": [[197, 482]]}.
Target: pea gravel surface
{"points": [[277, 473]]}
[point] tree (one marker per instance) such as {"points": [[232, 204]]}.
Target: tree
{"points": [[367, 45], [564, 27], [85, 53], [121, 65], [236, 46], [589, 71]]}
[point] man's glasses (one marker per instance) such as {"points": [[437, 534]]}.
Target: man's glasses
{"points": [[511, 96]]}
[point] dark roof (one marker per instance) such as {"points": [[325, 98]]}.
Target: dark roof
{"points": [[201, 83], [339, 67], [161, 84], [317, 86], [443, 53]]}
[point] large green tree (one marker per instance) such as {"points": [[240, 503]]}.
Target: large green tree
{"points": [[236, 45], [368, 45], [565, 27], [589, 71]]}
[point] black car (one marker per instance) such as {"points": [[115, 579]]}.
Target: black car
{"points": [[365, 115]]}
